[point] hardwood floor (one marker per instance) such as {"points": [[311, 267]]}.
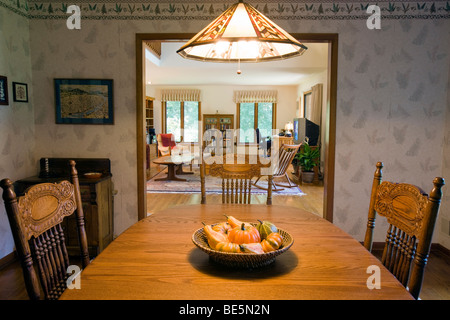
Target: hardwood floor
{"points": [[436, 284], [313, 202]]}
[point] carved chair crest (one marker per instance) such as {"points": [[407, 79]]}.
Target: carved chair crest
{"points": [[403, 205], [44, 206]]}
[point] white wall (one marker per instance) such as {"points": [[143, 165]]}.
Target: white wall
{"points": [[219, 99]]}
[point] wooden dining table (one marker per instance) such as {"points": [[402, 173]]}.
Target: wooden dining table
{"points": [[156, 259]]}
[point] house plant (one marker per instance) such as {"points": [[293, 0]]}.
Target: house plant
{"points": [[307, 159], [296, 163]]}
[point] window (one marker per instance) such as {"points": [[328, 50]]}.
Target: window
{"points": [[255, 115], [182, 120]]}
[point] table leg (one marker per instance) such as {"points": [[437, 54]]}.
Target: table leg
{"points": [[180, 170], [170, 174]]}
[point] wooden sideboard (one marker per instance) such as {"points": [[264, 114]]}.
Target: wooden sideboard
{"points": [[97, 198], [284, 140]]}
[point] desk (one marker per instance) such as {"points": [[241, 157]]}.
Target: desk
{"points": [[156, 259]]}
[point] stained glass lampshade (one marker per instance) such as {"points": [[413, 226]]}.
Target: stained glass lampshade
{"points": [[241, 34]]}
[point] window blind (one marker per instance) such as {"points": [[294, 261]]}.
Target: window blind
{"points": [[180, 94], [256, 96]]}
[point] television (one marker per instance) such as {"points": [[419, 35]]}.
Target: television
{"points": [[304, 128]]}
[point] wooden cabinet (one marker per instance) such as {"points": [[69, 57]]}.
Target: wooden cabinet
{"points": [[96, 196], [97, 199], [221, 122], [284, 140], [97, 207], [152, 168]]}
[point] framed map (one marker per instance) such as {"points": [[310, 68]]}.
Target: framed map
{"points": [[84, 101]]}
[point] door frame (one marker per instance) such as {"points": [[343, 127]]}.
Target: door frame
{"points": [[330, 122]]}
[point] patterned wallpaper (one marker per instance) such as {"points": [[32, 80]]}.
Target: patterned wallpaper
{"points": [[181, 9], [393, 86], [17, 143]]}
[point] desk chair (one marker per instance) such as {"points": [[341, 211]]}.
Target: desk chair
{"points": [[411, 215], [35, 219]]}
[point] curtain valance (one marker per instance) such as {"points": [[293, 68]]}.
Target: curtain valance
{"points": [[256, 96], [180, 94]]}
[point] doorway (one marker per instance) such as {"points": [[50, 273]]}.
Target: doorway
{"points": [[330, 118]]}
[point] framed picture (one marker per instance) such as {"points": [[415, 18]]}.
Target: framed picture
{"points": [[3, 91], [84, 101], [20, 92]]}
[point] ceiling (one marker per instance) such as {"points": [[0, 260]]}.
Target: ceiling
{"points": [[175, 70]]}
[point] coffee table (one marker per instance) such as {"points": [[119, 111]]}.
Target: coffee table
{"points": [[172, 163]]}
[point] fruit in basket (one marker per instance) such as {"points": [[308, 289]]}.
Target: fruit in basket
{"points": [[243, 237], [265, 228], [214, 237], [252, 248], [235, 222], [272, 242], [245, 233], [227, 246], [223, 227]]}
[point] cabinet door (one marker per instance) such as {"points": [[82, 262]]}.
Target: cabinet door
{"points": [[104, 207], [210, 123]]}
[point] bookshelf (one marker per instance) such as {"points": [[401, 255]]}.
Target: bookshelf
{"points": [[149, 116], [220, 122]]}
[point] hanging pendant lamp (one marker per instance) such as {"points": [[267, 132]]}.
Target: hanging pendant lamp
{"points": [[241, 34]]}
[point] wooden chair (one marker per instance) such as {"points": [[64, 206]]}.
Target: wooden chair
{"points": [[236, 179], [35, 219], [412, 215], [285, 156]]}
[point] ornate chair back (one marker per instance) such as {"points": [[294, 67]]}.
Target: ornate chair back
{"points": [[35, 219], [236, 178], [411, 215]]}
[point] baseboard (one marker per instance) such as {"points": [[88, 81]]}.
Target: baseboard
{"points": [[8, 259], [435, 248], [438, 248]]}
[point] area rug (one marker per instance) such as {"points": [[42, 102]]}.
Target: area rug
{"points": [[212, 184]]}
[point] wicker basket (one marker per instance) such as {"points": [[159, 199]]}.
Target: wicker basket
{"points": [[242, 260]]}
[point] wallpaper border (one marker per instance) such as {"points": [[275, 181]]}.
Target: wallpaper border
{"points": [[177, 10]]}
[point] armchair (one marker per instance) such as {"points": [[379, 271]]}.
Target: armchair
{"points": [[167, 146], [166, 142]]}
